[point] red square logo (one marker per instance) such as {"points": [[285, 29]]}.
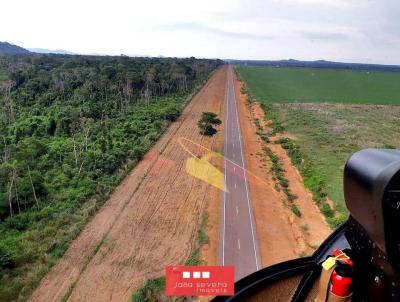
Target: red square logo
{"points": [[199, 280]]}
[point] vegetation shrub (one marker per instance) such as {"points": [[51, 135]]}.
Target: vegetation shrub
{"points": [[388, 146], [6, 259], [336, 221], [279, 175], [202, 231], [273, 116], [295, 210], [207, 122], [327, 210], [264, 137], [150, 291]]}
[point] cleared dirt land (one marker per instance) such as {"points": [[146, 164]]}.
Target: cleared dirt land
{"points": [[150, 220]]}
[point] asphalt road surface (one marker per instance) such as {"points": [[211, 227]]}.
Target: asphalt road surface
{"points": [[239, 242]]}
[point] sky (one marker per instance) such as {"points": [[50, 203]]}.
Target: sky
{"points": [[365, 31]]}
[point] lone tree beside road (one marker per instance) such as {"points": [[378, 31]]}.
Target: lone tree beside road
{"points": [[206, 123]]}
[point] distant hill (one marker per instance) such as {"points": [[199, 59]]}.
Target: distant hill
{"points": [[316, 64], [7, 48], [55, 51]]}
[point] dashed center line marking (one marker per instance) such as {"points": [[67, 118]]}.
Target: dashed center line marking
{"points": [[237, 210], [235, 185], [239, 244]]}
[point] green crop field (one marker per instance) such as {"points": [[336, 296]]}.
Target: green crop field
{"points": [[323, 111], [285, 84]]}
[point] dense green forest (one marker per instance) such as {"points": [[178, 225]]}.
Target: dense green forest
{"points": [[70, 126]]}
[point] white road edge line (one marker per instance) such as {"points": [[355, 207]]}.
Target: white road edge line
{"points": [[244, 169]]}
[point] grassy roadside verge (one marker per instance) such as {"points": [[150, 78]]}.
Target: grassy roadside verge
{"points": [[282, 182], [314, 179]]}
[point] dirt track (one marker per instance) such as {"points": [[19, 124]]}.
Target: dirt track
{"points": [[148, 222]]}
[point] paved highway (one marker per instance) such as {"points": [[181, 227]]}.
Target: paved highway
{"points": [[239, 242]]}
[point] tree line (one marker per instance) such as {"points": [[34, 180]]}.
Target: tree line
{"points": [[70, 116]]}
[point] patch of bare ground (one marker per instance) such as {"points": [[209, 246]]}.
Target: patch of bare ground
{"points": [[150, 221], [281, 234]]}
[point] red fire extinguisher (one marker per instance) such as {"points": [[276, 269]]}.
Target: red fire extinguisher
{"points": [[341, 279]]}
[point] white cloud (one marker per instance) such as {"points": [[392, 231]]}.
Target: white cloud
{"points": [[337, 3], [349, 30]]}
